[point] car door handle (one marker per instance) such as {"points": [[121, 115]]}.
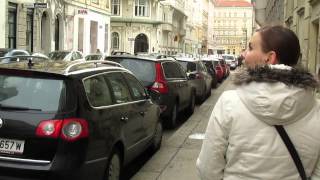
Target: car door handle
{"points": [[124, 119]]}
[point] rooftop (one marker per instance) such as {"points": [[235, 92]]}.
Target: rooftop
{"points": [[232, 3]]}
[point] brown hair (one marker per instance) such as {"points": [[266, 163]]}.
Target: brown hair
{"points": [[282, 41]]}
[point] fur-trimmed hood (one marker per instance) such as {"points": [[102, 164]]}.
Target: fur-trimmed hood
{"points": [[276, 94]]}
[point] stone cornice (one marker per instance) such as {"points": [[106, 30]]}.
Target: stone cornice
{"points": [[301, 11]]}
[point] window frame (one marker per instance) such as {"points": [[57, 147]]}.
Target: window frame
{"points": [[118, 7], [12, 10], [138, 7], [117, 40]]}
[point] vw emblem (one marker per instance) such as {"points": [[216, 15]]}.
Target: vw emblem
{"points": [[1, 122]]}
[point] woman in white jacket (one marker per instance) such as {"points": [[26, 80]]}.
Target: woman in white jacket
{"points": [[241, 142]]}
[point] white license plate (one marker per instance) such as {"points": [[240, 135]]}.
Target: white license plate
{"points": [[11, 146]]}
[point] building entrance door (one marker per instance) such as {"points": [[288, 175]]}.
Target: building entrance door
{"points": [[141, 44]]}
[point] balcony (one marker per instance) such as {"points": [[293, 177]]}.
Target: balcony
{"points": [[167, 27]]}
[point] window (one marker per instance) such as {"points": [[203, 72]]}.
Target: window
{"points": [[172, 70], [29, 31], [136, 88], [141, 8], [119, 88], [115, 7], [115, 40], [12, 24], [97, 91]]}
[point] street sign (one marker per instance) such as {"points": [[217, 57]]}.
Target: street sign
{"points": [[41, 5], [83, 11], [28, 5]]}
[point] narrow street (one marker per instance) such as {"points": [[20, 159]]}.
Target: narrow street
{"points": [[180, 147]]}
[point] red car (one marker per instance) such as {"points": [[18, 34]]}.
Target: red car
{"points": [[219, 69], [225, 67]]}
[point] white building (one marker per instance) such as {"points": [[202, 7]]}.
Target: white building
{"points": [[148, 26], [88, 29]]}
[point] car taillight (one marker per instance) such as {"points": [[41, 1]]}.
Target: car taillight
{"points": [[70, 129], [160, 85]]}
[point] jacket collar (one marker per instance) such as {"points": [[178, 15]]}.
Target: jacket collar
{"points": [[290, 76]]}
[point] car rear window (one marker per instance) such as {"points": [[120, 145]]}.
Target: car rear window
{"points": [[189, 66], [144, 70], [33, 93], [58, 55]]}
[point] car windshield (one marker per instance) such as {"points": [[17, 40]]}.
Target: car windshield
{"points": [[93, 57], [188, 66], [58, 55], [31, 93], [142, 69], [228, 57]]}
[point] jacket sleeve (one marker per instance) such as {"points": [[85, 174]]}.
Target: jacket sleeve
{"points": [[211, 161], [316, 173]]}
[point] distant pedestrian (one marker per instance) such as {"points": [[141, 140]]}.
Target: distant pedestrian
{"points": [[241, 140], [98, 51]]}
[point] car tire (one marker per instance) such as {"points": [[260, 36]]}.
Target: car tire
{"points": [[114, 166], [192, 104], [172, 121], [157, 137]]}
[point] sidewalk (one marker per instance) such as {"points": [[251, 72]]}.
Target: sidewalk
{"points": [[176, 160]]}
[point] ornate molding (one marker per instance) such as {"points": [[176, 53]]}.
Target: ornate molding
{"points": [[289, 20], [300, 11], [313, 2]]}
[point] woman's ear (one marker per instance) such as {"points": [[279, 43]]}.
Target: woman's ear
{"points": [[272, 58]]}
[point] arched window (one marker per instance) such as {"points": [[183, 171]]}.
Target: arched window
{"points": [[115, 40]]}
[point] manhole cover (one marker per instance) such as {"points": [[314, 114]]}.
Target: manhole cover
{"points": [[199, 136]]}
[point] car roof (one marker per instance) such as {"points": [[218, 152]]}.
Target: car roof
{"points": [[187, 59], [147, 58], [64, 68]]}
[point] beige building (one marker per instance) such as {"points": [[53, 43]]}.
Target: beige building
{"points": [[303, 17], [148, 26], [232, 25]]}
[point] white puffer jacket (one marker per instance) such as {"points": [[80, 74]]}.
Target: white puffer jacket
{"points": [[241, 142]]}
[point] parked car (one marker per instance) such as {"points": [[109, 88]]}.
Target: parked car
{"points": [[73, 120], [225, 67], [219, 69], [230, 60], [165, 76], [65, 55], [12, 55], [199, 76], [39, 56], [209, 63], [93, 57]]}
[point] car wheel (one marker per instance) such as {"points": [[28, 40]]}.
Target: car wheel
{"points": [[192, 104], [174, 116], [114, 166], [157, 138]]}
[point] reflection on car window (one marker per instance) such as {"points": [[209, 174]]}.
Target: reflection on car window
{"points": [[138, 91], [119, 88], [143, 70], [97, 91], [34, 93], [58, 55]]}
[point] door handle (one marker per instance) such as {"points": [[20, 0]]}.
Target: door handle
{"points": [[124, 119]]}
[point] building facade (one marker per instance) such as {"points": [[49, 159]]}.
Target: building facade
{"points": [[88, 25], [232, 25], [301, 16], [48, 25], [148, 26]]}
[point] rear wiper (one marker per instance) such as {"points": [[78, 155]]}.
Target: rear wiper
{"points": [[19, 108]]}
